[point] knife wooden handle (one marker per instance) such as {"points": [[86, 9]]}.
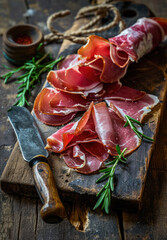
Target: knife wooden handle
{"points": [[53, 210]]}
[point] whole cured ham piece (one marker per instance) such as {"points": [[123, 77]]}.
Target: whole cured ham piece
{"points": [[87, 143]]}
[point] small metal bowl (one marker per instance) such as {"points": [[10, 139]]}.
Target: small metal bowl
{"points": [[17, 51]]}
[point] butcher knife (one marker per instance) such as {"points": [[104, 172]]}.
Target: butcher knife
{"points": [[34, 152]]}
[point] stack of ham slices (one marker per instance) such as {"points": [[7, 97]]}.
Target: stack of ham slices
{"points": [[90, 81]]}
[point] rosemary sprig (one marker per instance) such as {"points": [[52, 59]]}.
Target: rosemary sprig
{"points": [[130, 121], [105, 193], [33, 70]]}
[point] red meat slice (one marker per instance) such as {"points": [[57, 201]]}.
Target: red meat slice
{"points": [[87, 143], [136, 109], [124, 93], [136, 41], [109, 125], [48, 115]]}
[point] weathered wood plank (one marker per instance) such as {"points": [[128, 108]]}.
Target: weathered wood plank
{"points": [[8, 17], [150, 223], [21, 220], [82, 224]]}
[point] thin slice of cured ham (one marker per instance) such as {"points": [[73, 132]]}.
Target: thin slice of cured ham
{"points": [[54, 102], [85, 162], [97, 54], [75, 132], [71, 61], [124, 93], [95, 46], [136, 109], [75, 77], [109, 125], [87, 143], [79, 145], [130, 45], [55, 108]]}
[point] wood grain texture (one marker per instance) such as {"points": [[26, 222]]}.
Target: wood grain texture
{"points": [[150, 223], [83, 224], [147, 75]]}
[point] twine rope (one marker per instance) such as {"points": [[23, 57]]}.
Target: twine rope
{"points": [[80, 36]]}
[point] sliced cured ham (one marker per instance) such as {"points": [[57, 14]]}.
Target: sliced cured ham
{"points": [[124, 93], [75, 77], [71, 79], [53, 120], [94, 74], [76, 132], [162, 22], [106, 61], [55, 108], [71, 61], [136, 41], [87, 143], [84, 163], [80, 147], [54, 102], [109, 125], [95, 46], [137, 109]]}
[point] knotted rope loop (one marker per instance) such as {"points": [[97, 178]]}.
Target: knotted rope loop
{"points": [[80, 36]]}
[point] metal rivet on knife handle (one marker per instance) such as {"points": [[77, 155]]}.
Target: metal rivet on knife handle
{"points": [[53, 210]]}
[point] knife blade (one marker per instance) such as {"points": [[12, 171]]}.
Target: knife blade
{"points": [[33, 151]]}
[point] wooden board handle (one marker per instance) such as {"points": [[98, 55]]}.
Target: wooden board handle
{"points": [[53, 210]]}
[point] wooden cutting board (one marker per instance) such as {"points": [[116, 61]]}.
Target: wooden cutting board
{"points": [[147, 75]]}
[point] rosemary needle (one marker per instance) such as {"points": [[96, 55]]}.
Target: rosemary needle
{"points": [[105, 193], [33, 70], [130, 121]]}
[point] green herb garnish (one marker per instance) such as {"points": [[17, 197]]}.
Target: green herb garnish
{"points": [[105, 193], [130, 121], [33, 70]]}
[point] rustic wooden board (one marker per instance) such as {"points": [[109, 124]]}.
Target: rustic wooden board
{"points": [[146, 75]]}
